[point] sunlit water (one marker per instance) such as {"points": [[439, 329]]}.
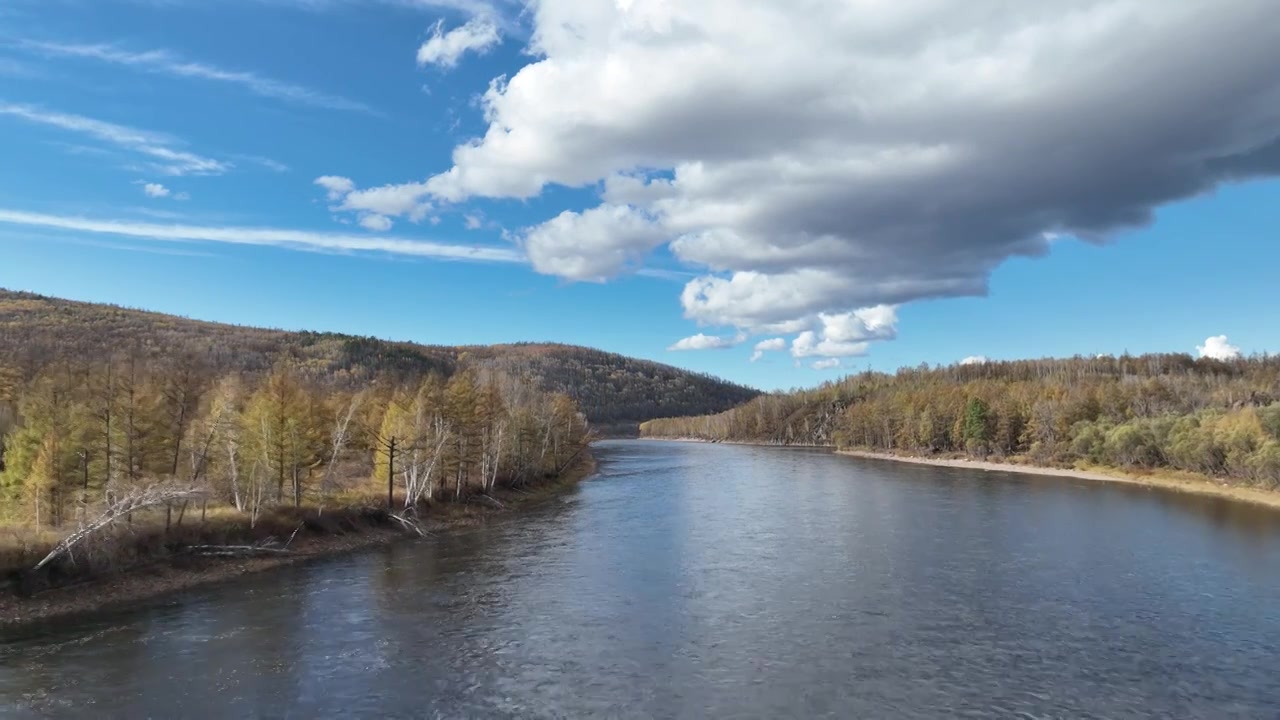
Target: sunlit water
{"points": [[723, 581]]}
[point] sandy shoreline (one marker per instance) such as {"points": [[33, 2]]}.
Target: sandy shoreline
{"points": [[1197, 486], [153, 581], [1209, 487]]}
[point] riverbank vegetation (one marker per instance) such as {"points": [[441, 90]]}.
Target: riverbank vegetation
{"points": [[1213, 418], [133, 458]]}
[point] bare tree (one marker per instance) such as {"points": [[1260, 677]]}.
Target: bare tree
{"points": [[136, 499]]}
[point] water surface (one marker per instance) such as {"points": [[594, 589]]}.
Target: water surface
{"points": [[690, 581]]}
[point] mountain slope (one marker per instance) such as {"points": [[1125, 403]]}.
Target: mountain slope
{"points": [[616, 392]]}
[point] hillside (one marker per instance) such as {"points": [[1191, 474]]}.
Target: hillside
{"points": [[615, 392], [1209, 417]]}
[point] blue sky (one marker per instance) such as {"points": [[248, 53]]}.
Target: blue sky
{"points": [[216, 160]]}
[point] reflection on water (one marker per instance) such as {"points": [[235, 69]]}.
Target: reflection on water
{"points": [[710, 580]]}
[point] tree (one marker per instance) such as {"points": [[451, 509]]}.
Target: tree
{"points": [[492, 418], [977, 430], [274, 423], [40, 457], [460, 396], [10, 382], [182, 383]]}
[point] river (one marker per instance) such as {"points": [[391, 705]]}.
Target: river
{"points": [[692, 581]]}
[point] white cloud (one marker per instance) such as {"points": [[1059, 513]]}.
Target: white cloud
{"points": [[706, 342], [473, 221], [808, 344], [336, 187], [974, 360], [182, 196], [478, 35], [408, 200], [394, 200], [163, 157], [155, 190], [167, 63], [826, 364], [293, 239], [873, 323], [592, 245], [375, 222], [771, 345], [857, 153], [1218, 348], [158, 214], [268, 163]]}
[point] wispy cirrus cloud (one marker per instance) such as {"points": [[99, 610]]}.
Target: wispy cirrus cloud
{"points": [[14, 68], [269, 237], [159, 149], [165, 62]]}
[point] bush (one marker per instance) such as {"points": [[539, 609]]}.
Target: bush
{"points": [[1089, 441], [1132, 445], [1264, 465]]}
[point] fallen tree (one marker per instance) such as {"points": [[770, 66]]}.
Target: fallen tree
{"points": [[139, 499]]}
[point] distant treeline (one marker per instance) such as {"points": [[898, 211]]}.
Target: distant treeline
{"points": [[615, 392], [1216, 418]]}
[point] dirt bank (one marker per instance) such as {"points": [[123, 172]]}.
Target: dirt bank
{"points": [[184, 572]]}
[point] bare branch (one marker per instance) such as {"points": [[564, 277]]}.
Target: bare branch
{"points": [[139, 499]]}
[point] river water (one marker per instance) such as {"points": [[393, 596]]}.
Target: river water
{"points": [[691, 581]]}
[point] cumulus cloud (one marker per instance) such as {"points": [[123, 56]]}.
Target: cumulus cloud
{"points": [[770, 345], [826, 364], [873, 323], [165, 62], [593, 245], [974, 360], [706, 342], [155, 190], [160, 151], [1218, 348], [336, 187], [810, 344], [847, 334], [407, 200], [854, 153], [444, 49], [376, 222]]}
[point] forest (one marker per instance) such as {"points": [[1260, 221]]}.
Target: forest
{"points": [[615, 392], [1213, 418], [149, 453]]}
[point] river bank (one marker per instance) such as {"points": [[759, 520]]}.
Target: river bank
{"points": [[1195, 485], [178, 573]]}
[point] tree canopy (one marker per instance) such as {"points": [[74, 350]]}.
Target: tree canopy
{"points": [[1218, 418]]}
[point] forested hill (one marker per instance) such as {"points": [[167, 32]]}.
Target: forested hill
{"points": [[615, 392], [1211, 417]]}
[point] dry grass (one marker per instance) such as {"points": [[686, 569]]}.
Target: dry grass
{"points": [[147, 541]]}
